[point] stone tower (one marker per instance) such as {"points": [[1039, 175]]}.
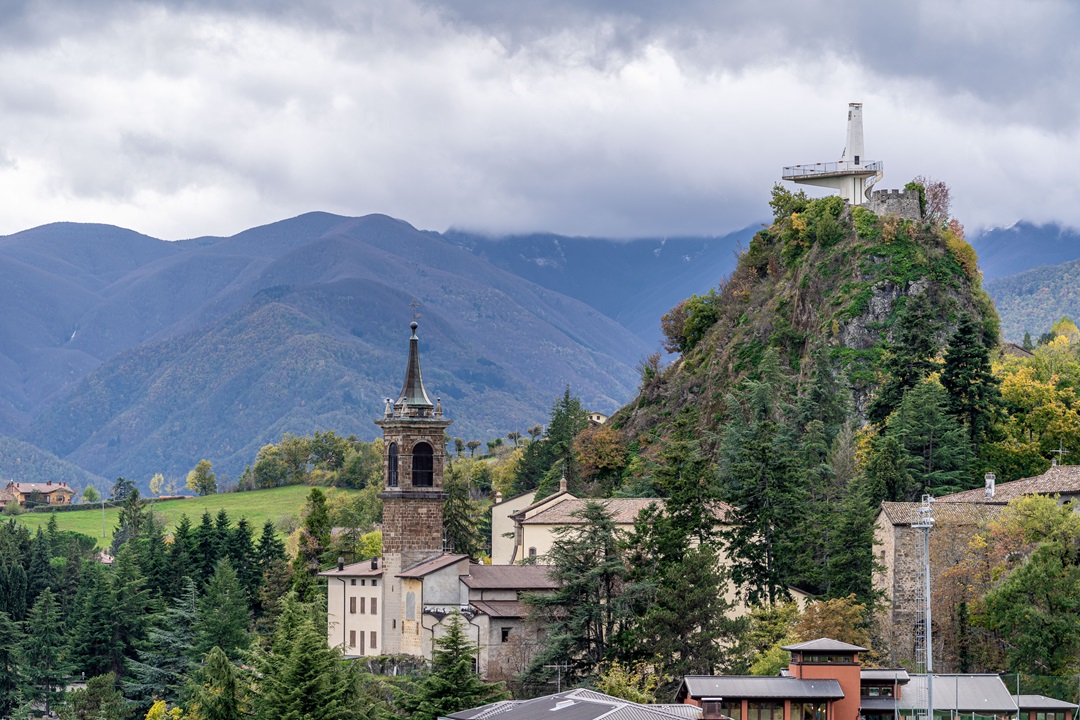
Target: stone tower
{"points": [[414, 454]]}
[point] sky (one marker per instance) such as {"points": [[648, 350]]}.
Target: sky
{"points": [[615, 118]]}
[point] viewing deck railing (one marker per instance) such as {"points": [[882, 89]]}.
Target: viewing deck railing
{"points": [[831, 168]]}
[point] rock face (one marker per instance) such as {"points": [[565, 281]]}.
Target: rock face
{"points": [[820, 278]]}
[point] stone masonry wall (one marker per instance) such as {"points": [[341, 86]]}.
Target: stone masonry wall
{"points": [[901, 203]]}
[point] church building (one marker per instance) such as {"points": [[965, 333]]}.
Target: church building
{"points": [[396, 604]]}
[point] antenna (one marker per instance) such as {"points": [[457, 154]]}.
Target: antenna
{"points": [[1061, 452], [559, 667]]}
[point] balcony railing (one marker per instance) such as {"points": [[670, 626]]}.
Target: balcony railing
{"points": [[830, 168]]}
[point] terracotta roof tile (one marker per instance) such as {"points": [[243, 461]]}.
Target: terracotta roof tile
{"points": [[624, 510], [1058, 480], [509, 577], [957, 513]]}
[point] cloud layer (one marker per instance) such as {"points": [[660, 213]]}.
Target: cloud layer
{"points": [[609, 118]]}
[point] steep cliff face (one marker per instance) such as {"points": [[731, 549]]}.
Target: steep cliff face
{"points": [[822, 277]]}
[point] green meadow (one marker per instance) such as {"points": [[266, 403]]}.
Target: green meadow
{"points": [[257, 506]]}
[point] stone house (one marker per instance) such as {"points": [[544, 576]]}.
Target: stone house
{"points": [[50, 493]]}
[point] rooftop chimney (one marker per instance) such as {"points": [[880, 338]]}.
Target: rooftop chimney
{"points": [[340, 563], [990, 478], [374, 563], [562, 484]]}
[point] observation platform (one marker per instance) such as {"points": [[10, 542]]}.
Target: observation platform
{"points": [[842, 168]]}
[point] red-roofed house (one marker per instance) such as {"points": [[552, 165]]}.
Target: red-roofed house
{"points": [[48, 493]]}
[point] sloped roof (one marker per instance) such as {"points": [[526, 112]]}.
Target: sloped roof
{"points": [[757, 686], [1041, 702], [509, 577], [899, 675], [560, 496], [1058, 480], [982, 694], [824, 645], [624, 511], [501, 608], [429, 566], [956, 513], [44, 488], [578, 704], [357, 569]]}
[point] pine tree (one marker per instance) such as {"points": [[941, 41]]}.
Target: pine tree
{"points": [[907, 360], [206, 548], [93, 645], [269, 548], [568, 418], [13, 590], [40, 572], [45, 653], [215, 690], [460, 514], [132, 606], [974, 393], [453, 684], [241, 553], [223, 615], [181, 553]]}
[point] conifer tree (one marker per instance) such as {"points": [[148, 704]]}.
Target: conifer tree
{"points": [[181, 553], [98, 700], [45, 652], [215, 690], [11, 664], [269, 547], [460, 513], [206, 548], [453, 684], [937, 449], [908, 359], [132, 605], [93, 643], [586, 612], [241, 553], [223, 615], [974, 393], [314, 544], [13, 590], [39, 573], [166, 659]]}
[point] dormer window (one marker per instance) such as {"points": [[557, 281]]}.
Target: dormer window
{"points": [[423, 465], [392, 466]]}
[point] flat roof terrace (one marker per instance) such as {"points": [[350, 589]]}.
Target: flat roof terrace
{"points": [[831, 169]]}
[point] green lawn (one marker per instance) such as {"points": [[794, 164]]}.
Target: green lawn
{"points": [[257, 506]]}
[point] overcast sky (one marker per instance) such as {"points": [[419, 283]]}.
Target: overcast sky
{"points": [[623, 118]]}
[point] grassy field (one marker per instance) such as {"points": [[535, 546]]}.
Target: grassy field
{"points": [[257, 506]]}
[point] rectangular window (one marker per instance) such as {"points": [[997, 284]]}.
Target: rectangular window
{"points": [[352, 638], [373, 643], [765, 711], [505, 634], [732, 708], [362, 601], [363, 583], [374, 606], [808, 711], [352, 605], [353, 582], [374, 582]]}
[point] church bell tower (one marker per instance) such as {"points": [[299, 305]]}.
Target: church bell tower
{"points": [[414, 455]]}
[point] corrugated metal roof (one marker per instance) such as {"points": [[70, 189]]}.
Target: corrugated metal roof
{"points": [[509, 577], [570, 705], [824, 645], [756, 686], [429, 566], [1041, 702], [984, 694]]}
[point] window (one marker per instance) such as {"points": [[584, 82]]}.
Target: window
{"points": [[808, 710], [423, 465], [374, 582], [352, 605], [765, 711], [506, 634], [374, 606], [393, 623], [532, 555], [731, 708], [874, 691], [363, 601], [353, 581], [373, 643], [391, 466], [362, 583], [352, 638]]}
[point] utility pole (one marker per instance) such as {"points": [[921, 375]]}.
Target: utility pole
{"points": [[926, 523]]}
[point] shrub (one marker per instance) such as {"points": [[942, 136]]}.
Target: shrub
{"points": [[686, 324]]}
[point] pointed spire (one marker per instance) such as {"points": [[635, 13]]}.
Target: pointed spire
{"points": [[412, 391]]}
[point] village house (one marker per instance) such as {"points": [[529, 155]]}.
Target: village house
{"points": [[957, 517], [825, 680], [47, 493], [398, 604]]}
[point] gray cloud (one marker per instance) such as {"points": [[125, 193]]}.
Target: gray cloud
{"points": [[615, 118]]}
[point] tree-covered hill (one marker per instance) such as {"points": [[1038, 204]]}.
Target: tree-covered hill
{"points": [[1032, 301]]}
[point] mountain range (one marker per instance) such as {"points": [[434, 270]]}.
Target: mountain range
{"points": [[123, 354]]}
